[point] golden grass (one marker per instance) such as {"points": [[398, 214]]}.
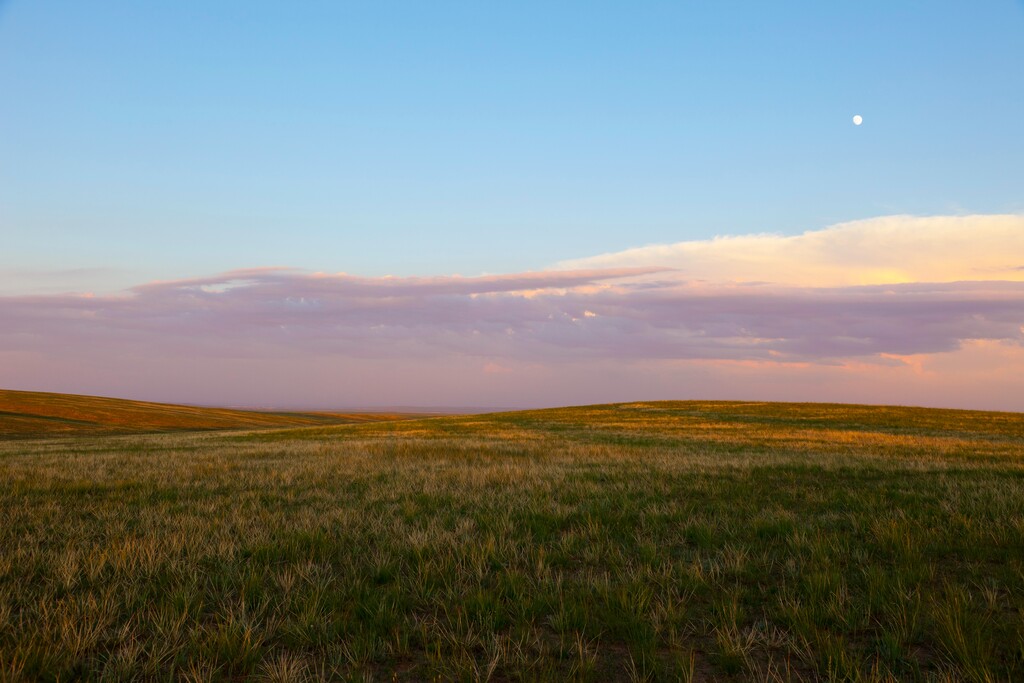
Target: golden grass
{"points": [[36, 414]]}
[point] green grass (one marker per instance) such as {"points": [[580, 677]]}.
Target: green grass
{"points": [[652, 541]]}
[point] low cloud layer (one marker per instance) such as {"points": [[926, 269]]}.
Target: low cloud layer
{"points": [[541, 317], [621, 317]]}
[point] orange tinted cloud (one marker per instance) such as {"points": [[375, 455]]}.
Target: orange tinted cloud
{"points": [[887, 250]]}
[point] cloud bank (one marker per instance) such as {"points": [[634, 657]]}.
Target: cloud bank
{"points": [[893, 299], [887, 250]]}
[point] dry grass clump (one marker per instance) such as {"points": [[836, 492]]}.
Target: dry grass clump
{"points": [[658, 541]]}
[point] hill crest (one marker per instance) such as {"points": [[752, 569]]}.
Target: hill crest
{"points": [[38, 414]]}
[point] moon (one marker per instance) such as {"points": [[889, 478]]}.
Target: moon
{"points": [[858, 119]]}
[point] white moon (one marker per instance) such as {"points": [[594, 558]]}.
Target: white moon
{"points": [[858, 119]]}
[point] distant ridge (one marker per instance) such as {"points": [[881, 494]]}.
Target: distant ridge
{"points": [[37, 414]]}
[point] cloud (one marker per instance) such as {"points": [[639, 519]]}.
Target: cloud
{"points": [[886, 250], [541, 317], [52, 280], [248, 335]]}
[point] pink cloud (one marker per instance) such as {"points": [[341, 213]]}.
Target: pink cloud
{"points": [[523, 331]]}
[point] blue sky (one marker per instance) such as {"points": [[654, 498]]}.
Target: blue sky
{"points": [[158, 140]]}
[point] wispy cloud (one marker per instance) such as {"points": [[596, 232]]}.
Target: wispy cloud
{"points": [[51, 280]]}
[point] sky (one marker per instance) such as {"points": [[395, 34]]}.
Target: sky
{"points": [[526, 204]]}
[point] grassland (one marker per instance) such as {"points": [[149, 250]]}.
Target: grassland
{"points": [[647, 541], [35, 414]]}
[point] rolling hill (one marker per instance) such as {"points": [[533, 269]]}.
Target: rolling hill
{"points": [[40, 414]]}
